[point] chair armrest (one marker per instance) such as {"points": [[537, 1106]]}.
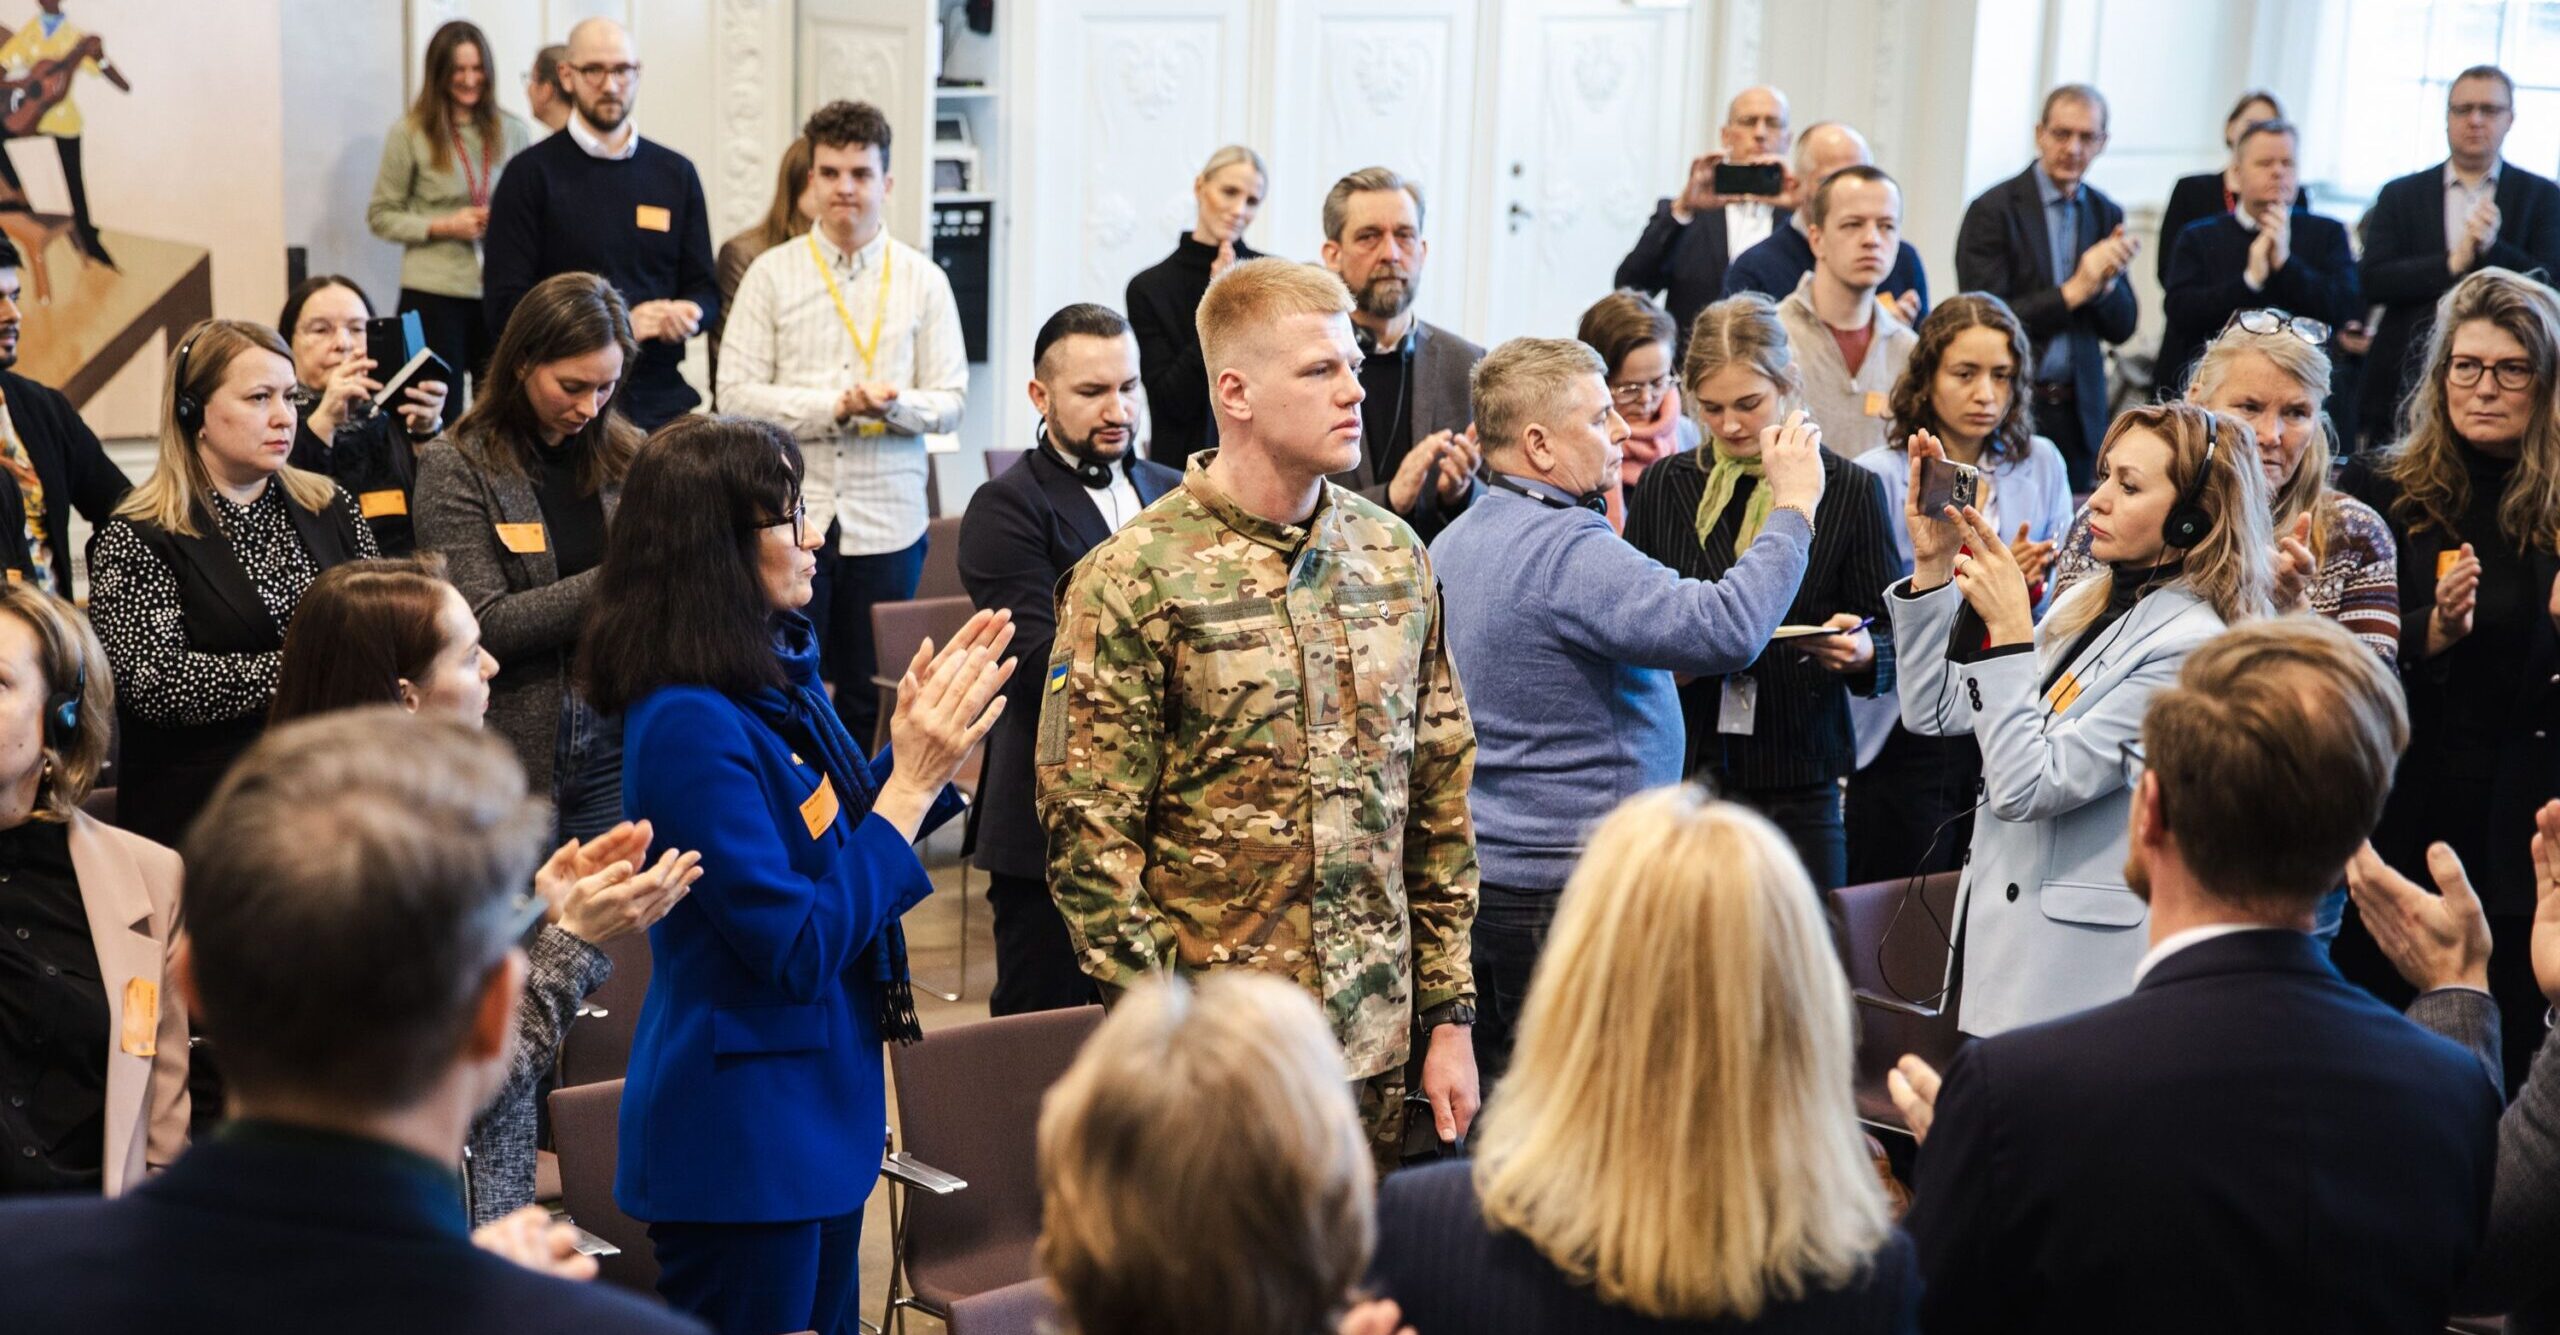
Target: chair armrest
{"points": [[916, 1174]]}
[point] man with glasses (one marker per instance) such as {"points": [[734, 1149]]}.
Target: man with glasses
{"points": [[2262, 254], [600, 199], [1697, 234], [2054, 247], [2429, 228]]}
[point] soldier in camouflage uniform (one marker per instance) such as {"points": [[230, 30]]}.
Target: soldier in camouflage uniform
{"points": [[1252, 749]]}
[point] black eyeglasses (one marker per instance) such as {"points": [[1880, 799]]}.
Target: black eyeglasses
{"points": [[2129, 756], [797, 517], [2464, 372], [600, 73], [2269, 320]]}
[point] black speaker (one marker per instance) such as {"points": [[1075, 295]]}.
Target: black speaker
{"points": [[963, 244]]}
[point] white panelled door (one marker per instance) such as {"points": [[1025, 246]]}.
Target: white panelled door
{"points": [[886, 53], [1594, 98]]}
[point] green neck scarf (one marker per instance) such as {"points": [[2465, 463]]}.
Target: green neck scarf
{"points": [[1722, 476]]}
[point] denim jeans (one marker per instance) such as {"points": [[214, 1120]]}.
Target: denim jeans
{"points": [[586, 773], [1511, 928], [1810, 818]]}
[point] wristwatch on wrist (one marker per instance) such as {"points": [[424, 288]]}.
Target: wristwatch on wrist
{"points": [[1448, 1012]]}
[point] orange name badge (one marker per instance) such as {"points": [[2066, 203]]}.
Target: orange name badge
{"points": [[819, 811], [2445, 560], [1875, 403], [141, 1018], [376, 504], [2064, 692], [655, 219], [15, 577], [523, 539]]}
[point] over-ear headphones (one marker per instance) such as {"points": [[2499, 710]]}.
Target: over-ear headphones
{"points": [[186, 407], [62, 712], [2188, 520], [1094, 473]]}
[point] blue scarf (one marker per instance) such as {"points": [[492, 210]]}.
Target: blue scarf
{"points": [[802, 714]]}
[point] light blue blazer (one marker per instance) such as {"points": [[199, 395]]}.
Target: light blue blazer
{"points": [[2047, 924]]}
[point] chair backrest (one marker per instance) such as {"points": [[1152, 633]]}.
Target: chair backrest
{"points": [[1001, 462], [897, 628], [598, 1046], [941, 577], [1016, 1309], [1895, 953], [969, 1104], [586, 1128]]}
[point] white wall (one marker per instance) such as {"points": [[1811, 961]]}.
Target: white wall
{"points": [[346, 82]]}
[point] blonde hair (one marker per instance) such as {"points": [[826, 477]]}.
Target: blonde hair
{"points": [[1522, 381], [2427, 464], [1739, 331], [1256, 294], [1677, 1129], [1231, 155], [1202, 1166], [2307, 491], [2230, 570], [67, 653], [174, 494]]}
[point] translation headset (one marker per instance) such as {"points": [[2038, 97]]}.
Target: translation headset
{"points": [[186, 408], [1094, 473], [1596, 502], [2188, 521], [62, 712]]}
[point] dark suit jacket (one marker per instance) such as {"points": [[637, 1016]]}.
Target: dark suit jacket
{"points": [[1450, 1271], [1023, 531], [2004, 249], [2192, 200], [69, 461], [2404, 270], [1164, 306], [2247, 1142], [1685, 263], [2205, 286], [1442, 400], [285, 1232]]}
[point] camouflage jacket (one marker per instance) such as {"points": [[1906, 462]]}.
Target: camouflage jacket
{"points": [[1253, 752]]}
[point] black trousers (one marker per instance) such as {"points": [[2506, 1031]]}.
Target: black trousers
{"points": [[458, 330], [1511, 928], [2060, 423], [1035, 959], [1911, 812]]}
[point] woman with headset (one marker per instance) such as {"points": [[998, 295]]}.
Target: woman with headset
{"points": [[2048, 924], [196, 575]]}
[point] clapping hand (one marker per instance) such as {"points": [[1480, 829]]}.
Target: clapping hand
{"points": [[1913, 1085], [1377, 1316], [2433, 940], [2546, 900], [947, 700], [1989, 578], [2293, 566], [2457, 597], [2479, 232], [598, 891]]}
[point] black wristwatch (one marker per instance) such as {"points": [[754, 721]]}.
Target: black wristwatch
{"points": [[1448, 1012]]}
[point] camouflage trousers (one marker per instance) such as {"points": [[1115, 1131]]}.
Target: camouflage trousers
{"points": [[1382, 1114]]}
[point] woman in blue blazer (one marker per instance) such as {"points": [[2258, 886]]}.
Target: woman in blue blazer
{"points": [[752, 1120], [2048, 925]]}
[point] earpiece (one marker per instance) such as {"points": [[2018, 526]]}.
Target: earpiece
{"points": [[62, 712], [1093, 473], [2188, 521], [186, 408]]}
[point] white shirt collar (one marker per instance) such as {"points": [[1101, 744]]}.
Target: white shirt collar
{"points": [[860, 257], [2192, 936], [587, 139], [2488, 181]]}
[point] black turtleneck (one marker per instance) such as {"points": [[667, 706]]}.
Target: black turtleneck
{"points": [[2129, 586], [1164, 302]]}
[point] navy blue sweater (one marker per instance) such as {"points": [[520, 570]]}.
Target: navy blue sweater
{"points": [[639, 221], [1566, 640]]}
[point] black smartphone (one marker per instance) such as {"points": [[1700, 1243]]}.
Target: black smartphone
{"points": [[391, 340], [1750, 178], [1944, 483]]}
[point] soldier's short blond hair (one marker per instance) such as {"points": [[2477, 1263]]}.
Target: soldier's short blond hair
{"points": [[1525, 381], [1257, 294], [1202, 1166]]}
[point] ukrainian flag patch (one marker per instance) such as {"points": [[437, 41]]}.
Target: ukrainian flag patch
{"points": [[1058, 678]]}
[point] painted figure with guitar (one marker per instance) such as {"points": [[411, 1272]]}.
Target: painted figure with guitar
{"points": [[38, 63]]}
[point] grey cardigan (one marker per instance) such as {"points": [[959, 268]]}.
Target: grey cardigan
{"points": [[500, 1155], [2513, 1273], [1850, 409], [530, 618]]}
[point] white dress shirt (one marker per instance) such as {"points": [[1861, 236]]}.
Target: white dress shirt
{"points": [[1117, 503], [585, 137], [2460, 199], [785, 354], [1746, 225]]}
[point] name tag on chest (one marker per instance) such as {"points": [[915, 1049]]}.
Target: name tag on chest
{"points": [[653, 218], [819, 811], [523, 539], [1739, 707]]}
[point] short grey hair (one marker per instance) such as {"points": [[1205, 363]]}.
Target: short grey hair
{"points": [[2085, 94], [1337, 201], [1523, 381]]}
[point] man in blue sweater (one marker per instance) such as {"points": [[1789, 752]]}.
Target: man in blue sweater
{"points": [[1566, 640], [600, 199]]}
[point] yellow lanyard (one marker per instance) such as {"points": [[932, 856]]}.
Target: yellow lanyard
{"points": [[869, 349]]}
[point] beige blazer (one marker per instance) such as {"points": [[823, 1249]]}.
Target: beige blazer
{"points": [[130, 887]]}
